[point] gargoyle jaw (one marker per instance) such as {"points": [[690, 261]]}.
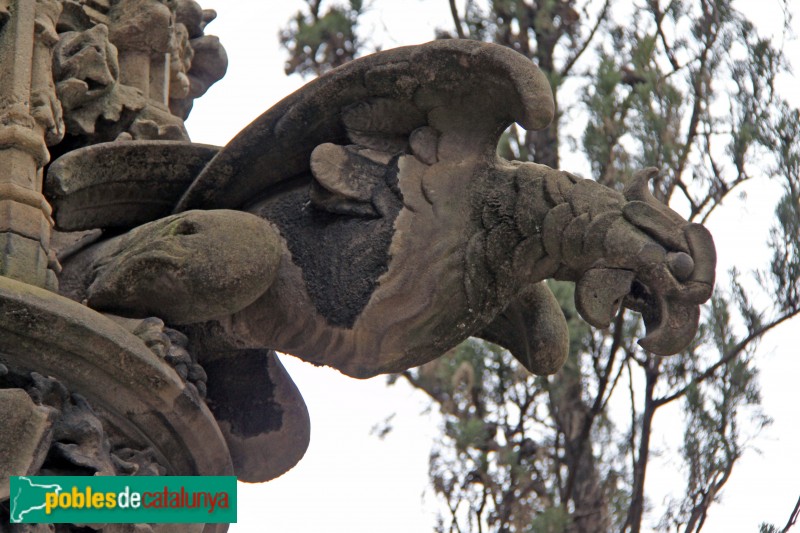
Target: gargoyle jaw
{"points": [[666, 279], [671, 323]]}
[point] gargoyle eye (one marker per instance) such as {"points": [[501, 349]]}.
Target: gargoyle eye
{"points": [[680, 264]]}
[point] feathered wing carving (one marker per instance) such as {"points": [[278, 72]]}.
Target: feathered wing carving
{"points": [[418, 125], [462, 92]]}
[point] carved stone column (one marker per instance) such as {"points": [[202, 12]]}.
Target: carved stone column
{"points": [[83, 393], [24, 213]]}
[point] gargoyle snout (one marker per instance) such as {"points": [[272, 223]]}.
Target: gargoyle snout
{"points": [[669, 295], [665, 280], [700, 283]]}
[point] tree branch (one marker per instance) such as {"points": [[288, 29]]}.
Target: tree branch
{"points": [[632, 436], [694, 120], [456, 19], [793, 518], [582, 48], [619, 326], [636, 509], [659, 16], [614, 382], [737, 349]]}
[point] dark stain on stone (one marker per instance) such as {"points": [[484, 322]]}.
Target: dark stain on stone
{"points": [[241, 392], [341, 255]]}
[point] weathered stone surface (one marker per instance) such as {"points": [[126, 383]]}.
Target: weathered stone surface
{"points": [[278, 144], [533, 329], [404, 233], [375, 228], [25, 435], [122, 184], [78, 443], [260, 412], [119, 66], [79, 393], [139, 397], [30, 117], [172, 267], [208, 65]]}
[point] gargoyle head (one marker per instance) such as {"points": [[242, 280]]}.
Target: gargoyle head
{"points": [[85, 66], [654, 262]]}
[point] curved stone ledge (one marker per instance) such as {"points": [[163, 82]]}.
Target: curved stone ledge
{"points": [[139, 396]]}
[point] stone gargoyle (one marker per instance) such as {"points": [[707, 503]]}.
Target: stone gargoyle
{"points": [[367, 223]]}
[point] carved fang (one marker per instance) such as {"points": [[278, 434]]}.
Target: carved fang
{"points": [[599, 293]]}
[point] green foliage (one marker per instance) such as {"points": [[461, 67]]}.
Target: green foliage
{"points": [[605, 127], [317, 43], [712, 438], [689, 87], [783, 240], [551, 520], [785, 264]]}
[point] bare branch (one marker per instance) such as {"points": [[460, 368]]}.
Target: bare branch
{"points": [[636, 509], [793, 518], [456, 19], [632, 437], [565, 70], [659, 16], [697, 107], [614, 383], [735, 351], [694, 207]]}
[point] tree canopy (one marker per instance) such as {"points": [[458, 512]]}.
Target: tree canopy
{"points": [[688, 86]]}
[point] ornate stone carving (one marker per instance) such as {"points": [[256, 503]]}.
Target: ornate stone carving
{"points": [[375, 228], [76, 440], [45, 106], [119, 407], [49, 431], [92, 71], [83, 393], [29, 114], [119, 70], [365, 222]]}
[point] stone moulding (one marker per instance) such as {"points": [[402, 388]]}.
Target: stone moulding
{"points": [[136, 394], [124, 199]]}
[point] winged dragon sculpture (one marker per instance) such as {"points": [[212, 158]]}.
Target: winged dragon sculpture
{"points": [[367, 223]]}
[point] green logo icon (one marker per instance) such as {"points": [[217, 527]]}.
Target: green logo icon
{"points": [[123, 499]]}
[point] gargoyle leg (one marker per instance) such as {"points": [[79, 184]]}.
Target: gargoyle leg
{"points": [[185, 268], [533, 329]]}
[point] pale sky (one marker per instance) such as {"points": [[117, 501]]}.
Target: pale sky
{"points": [[351, 481]]}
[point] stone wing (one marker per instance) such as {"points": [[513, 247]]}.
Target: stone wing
{"points": [[437, 101]]}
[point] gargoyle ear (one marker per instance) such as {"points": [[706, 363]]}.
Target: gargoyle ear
{"points": [[438, 101]]}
